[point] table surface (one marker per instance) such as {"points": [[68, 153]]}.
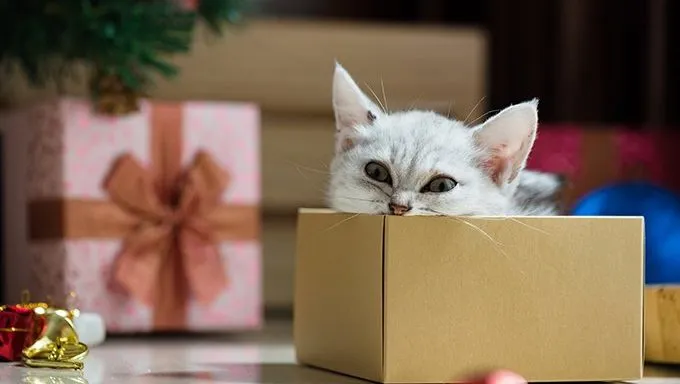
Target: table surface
{"points": [[266, 357]]}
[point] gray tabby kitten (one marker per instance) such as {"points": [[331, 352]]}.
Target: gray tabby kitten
{"points": [[422, 163]]}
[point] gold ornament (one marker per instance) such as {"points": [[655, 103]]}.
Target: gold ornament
{"points": [[57, 345], [113, 96]]}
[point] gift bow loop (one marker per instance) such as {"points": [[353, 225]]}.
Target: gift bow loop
{"points": [[169, 230]]}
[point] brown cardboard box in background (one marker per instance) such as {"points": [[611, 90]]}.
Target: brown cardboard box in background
{"points": [[662, 324], [434, 299]]}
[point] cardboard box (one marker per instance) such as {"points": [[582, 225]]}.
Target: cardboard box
{"points": [[662, 324], [436, 299]]}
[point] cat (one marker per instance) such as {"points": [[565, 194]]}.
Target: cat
{"points": [[419, 162]]}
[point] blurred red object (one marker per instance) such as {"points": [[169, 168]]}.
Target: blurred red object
{"points": [[19, 328], [501, 377], [191, 5], [594, 156]]}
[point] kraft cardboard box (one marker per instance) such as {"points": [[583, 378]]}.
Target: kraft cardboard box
{"points": [[437, 299], [662, 324]]}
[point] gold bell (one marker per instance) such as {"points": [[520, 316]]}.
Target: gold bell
{"points": [[58, 345]]}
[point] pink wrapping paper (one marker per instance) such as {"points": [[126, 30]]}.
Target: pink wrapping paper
{"points": [[70, 151]]}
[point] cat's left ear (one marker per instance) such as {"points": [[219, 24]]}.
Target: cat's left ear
{"points": [[351, 106], [507, 139]]}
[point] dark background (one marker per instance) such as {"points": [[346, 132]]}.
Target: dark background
{"points": [[594, 61]]}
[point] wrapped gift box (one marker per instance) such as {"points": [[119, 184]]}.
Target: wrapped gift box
{"points": [[152, 219]]}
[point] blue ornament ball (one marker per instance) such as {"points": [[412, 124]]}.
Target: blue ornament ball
{"points": [[661, 210]]}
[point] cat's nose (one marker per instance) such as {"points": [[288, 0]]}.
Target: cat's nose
{"points": [[398, 209]]}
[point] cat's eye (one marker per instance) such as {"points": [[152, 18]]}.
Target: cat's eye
{"points": [[378, 172], [440, 184]]}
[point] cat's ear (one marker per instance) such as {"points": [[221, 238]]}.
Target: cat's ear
{"points": [[351, 106], [507, 139]]}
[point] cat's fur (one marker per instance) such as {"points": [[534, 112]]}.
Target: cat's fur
{"points": [[539, 193], [486, 161]]}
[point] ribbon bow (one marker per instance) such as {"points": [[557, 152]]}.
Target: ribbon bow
{"points": [[172, 250]]}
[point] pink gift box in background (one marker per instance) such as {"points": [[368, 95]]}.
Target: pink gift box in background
{"points": [[64, 152]]}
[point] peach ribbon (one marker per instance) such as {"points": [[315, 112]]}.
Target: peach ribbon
{"points": [[171, 220]]}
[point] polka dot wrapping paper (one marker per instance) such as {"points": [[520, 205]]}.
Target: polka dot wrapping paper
{"points": [[77, 235]]}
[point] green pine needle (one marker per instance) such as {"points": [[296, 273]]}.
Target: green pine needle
{"points": [[128, 38]]}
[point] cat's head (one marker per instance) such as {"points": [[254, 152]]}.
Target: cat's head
{"points": [[420, 162]]}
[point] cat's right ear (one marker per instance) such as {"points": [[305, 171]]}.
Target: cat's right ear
{"points": [[351, 106], [507, 139]]}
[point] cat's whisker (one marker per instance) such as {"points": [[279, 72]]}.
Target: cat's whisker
{"points": [[316, 188], [413, 103], [342, 222], [448, 110], [440, 212], [529, 226], [382, 85], [375, 96], [473, 109], [306, 168], [357, 199], [483, 116], [503, 218], [299, 170], [486, 234], [480, 230], [497, 245], [477, 228]]}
